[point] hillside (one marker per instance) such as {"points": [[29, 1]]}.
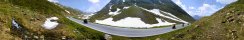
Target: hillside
{"points": [[31, 15], [226, 24], [142, 12]]}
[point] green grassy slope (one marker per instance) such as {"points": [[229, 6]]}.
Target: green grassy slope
{"points": [[32, 14], [135, 11], [226, 24]]}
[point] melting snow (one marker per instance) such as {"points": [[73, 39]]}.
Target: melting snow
{"points": [[126, 7], [132, 22], [50, 23], [67, 11], [157, 12], [114, 13]]}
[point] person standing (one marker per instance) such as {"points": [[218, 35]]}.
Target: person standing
{"points": [[183, 24], [85, 21], [174, 27]]}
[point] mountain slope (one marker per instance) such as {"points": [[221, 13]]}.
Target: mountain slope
{"points": [[31, 14], [226, 24], [147, 10]]}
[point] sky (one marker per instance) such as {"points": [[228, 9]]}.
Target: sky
{"points": [[202, 7], [192, 7]]}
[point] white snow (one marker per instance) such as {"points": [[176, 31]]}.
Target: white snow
{"points": [[126, 7], [114, 13], [157, 12], [67, 11], [50, 24], [132, 22]]}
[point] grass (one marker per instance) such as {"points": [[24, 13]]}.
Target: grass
{"points": [[229, 26], [145, 16], [32, 14], [133, 11]]}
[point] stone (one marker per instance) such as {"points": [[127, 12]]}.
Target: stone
{"points": [[157, 39], [230, 20], [63, 37], [26, 36], [42, 37], [107, 36], [36, 37], [238, 14], [25, 14], [180, 35], [223, 22], [233, 31], [232, 11], [197, 26]]}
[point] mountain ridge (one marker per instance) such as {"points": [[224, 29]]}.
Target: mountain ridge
{"points": [[147, 10]]}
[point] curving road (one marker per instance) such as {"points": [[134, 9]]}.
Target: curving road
{"points": [[127, 32]]}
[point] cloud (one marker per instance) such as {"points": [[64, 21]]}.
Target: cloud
{"points": [[225, 1], [191, 7], [93, 8], [94, 1], [54, 1], [207, 9], [179, 3]]}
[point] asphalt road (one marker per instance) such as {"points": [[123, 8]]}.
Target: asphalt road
{"points": [[127, 32]]}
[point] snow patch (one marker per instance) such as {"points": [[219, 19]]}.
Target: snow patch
{"points": [[50, 23], [67, 11], [157, 12], [126, 7], [123, 0], [132, 22], [54, 1], [115, 13]]}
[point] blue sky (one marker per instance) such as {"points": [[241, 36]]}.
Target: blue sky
{"points": [[192, 7], [202, 7]]}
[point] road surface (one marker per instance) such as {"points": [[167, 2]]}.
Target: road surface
{"points": [[127, 32]]}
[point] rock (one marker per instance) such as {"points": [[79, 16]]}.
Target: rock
{"points": [[233, 31], [223, 22], [222, 34], [26, 36], [157, 39], [38, 19], [32, 19], [229, 17], [232, 11], [36, 37], [63, 37], [172, 37], [197, 26], [228, 13], [230, 20], [180, 35], [238, 14], [42, 37], [25, 14], [107, 36]]}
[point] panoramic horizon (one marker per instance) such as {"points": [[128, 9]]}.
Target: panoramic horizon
{"points": [[121, 19], [192, 7]]}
